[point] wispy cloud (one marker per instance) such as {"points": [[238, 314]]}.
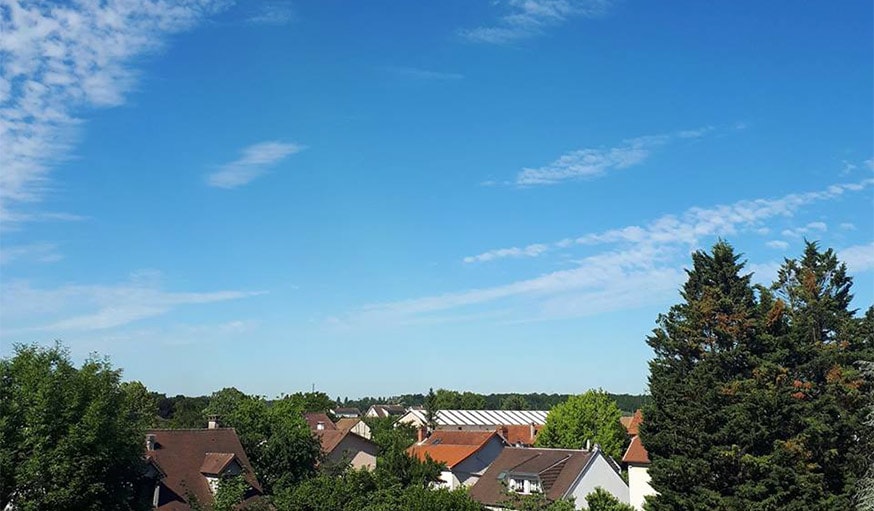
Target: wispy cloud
{"points": [[639, 266], [255, 161], [529, 251], [272, 13], [778, 244], [593, 162], [695, 223], [858, 258], [528, 18], [424, 74], [95, 307], [55, 61], [34, 252], [798, 232]]}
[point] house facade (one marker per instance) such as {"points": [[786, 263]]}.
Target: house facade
{"points": [[556, 473], [466, 454], [636, 459], [344, 446], [355, 425]]}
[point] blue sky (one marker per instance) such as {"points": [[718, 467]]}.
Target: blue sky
{"points": [[381, 197]]}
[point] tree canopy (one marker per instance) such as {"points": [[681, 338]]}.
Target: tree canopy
{"points": [[757, 399], [70, 438], [592, 416]]}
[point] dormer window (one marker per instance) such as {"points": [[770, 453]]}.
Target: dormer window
{"points": [[524, 485]]}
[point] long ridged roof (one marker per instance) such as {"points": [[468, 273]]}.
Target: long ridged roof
{"points": [[485, 417]]}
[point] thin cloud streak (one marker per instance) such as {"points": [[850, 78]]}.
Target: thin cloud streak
{"points": [[695, 223], [272, 13], [58, 60], [74, 307], [34, 252], [254, 162], [590, 163], [529, 18], [424, 74]]}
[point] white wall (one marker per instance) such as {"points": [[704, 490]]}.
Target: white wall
{"points": [[638, 485], [600, 473]]}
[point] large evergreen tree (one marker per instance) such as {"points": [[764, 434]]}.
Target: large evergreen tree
{"points": [[758, 403], [702, 346]]}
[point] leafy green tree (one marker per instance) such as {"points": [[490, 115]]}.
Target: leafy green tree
{"points": [[276, 438], [472, 401], [387, 433], [230, 493], [592, 416], [536, 502], [448, 399], [70, 439], [602, 500], [514, 402]]}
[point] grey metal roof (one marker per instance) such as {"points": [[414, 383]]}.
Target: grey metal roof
{"points": [[485, 417]]}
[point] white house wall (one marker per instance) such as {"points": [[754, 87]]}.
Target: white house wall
{"points": [[600, 473], [638, 485]]}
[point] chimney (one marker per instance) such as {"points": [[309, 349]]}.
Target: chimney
{"points": [[213, 422], [588, 445], [320, 426], [150, 442], [533, 432], [420, 434]]}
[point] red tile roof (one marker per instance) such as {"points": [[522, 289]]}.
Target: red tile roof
{"points": [[451, 447], [634, 423], [636, 452], [183, 454], [516, 434]]}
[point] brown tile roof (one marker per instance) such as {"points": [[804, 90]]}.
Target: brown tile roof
{"points": [[214, 463], [313, 420], [182, 454], [557, 469], [331, 438], [520, 434], [347, 411], [451, 447], [347, 423], [636, 452]]}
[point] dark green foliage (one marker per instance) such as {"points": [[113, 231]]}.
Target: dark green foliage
{"points": [[370, 491], [70, 439], [230, 493], [431, 408], [602, 500], [757, 401], [275, 436], [514, 402], [536, 502], [180, 411], [591, 416], [388, 434]]}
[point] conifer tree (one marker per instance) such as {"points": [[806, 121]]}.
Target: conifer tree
{"points": [[703, 347]]}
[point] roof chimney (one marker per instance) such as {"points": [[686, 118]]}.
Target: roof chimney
{"points": [[533, 432], [150, 442], [420, 434], [588, 445], [213, 422]]}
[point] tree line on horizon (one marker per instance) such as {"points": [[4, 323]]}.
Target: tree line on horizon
{"points": [[182, 411]]}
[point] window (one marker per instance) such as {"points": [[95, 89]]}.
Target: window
{"points": [[524, 485]]}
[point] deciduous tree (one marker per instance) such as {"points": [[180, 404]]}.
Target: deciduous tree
{"points": [[592, 416]]}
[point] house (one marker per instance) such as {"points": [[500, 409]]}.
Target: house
{"points": [[383, 411], [557, 473], [344, 446], [636, 460], [476, 420], [632, 422], [346, 413], [187, 465], [319, 421], [355, 425], [466, 454]]}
